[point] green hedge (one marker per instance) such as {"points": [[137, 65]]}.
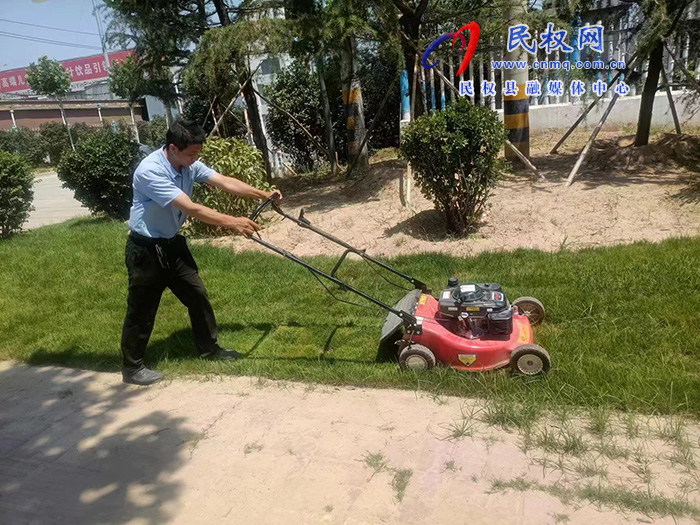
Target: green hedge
{"points": [[100, 171], [24, 142], [16, 195]]}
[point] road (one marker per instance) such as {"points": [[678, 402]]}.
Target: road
{"points": [[52, 203]]}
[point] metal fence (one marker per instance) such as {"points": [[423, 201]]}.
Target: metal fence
{"points": [[620, 39]]}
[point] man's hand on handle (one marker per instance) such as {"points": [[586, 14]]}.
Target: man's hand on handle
{"points": [[243, 226], [240, 225], [276, 193]]}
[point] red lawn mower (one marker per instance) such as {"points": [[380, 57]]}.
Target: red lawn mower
{"points": [[469, 326]]}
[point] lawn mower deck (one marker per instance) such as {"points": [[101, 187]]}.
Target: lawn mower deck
{"points": [[453, 342], [469, 326]]}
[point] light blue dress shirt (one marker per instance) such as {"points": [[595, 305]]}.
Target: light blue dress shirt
{"points": [[156, 184]]}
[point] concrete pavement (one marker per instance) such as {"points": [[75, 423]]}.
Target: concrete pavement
{"points": [[81, 447], [52, 203]]}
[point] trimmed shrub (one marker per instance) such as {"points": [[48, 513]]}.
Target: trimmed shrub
{"points": [[25, 142], [16, 182], [455, 156], [152, 132], [235, 158], [55, 137], [100, 171]]}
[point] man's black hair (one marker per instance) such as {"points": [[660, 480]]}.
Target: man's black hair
{"points": [[184, 133]]}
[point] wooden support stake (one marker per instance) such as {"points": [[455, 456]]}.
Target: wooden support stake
{"points": [[687, 73], [289, 168], [525, 161], [301, 126], [230, 104], [670, 101], [591, 106], [584, 152]]}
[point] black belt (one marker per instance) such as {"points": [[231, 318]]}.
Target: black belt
{"points": [[160, 241]]}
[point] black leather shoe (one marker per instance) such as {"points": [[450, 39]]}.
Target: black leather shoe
{"points": [[142, 377], [222, 354]]}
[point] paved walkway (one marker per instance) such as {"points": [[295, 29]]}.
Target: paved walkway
{"points": [[52, 203], [81, 447]]}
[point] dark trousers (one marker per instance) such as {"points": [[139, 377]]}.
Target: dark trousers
{"points": [[152, 267]]}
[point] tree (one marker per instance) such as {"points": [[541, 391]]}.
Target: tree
{"points": [[309, 19], [242, 34], [51, 79], [410, 22], [222, 56], [126, 80], [163, 33], [662, 18], [296, 91], [347, 22]]}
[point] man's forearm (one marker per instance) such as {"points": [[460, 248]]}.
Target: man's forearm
{"points": [[209, 216], [240, 188]]}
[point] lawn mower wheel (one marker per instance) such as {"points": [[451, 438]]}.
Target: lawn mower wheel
{"points": [[530, 307], [530, 360], [416, 357]]}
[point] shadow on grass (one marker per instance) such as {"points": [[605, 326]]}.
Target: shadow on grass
{"points": [[66, 458], [92, 220], [180, 345]]}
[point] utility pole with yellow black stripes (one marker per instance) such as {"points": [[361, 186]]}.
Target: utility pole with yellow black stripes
{"points": [[516, 108]]}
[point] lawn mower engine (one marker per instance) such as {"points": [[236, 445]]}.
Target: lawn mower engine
{"points": [[477, 310], [470, 326]]}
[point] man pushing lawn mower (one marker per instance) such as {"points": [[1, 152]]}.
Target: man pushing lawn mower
{"points": [[158, 258]]}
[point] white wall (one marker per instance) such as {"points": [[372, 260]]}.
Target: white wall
{"points": [[626, 111]]}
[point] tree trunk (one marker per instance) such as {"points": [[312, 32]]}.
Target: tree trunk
{"points": [[516, 108], [168, 113], [133, 122], [646, 107], [65, 123], [411, 57], [251, 101], [222, 12], [254, 117], [330, 139], [202, 9], [352, 100]]}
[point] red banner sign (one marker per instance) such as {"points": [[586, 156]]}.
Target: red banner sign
{"points": [[80, 69]]}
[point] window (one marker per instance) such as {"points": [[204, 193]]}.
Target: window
{"points": [[270, 66]]}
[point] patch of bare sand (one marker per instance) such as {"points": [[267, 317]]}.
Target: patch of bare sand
{"points": [[81, 447], [622, 195]]}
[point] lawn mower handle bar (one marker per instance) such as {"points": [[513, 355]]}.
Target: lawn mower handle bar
{"points": [[304, 223], [407, 318]]}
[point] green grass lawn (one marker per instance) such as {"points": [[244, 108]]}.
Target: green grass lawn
{"points": [[623, 325]]}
